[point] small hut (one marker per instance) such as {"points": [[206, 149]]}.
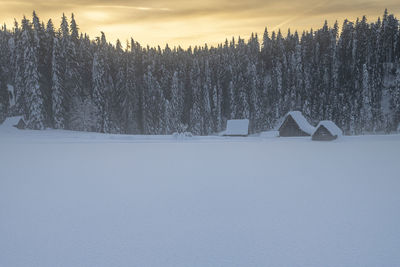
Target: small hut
{"points": [[17, 122], [327, 131], [21, 124], [237, 128], [295, 124]]}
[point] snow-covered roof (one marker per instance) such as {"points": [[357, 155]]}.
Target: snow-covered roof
{"points": [[301, 121], [237, 127], [11, 121], [398, 128], [331, 127]]}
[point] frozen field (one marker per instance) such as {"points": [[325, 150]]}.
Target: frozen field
{"points": [[72, 199]]}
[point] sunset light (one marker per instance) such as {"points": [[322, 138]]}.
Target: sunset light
{"points": [[185, 23]]}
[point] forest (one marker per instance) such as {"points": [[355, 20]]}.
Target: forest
{"points": [[58, 77]]}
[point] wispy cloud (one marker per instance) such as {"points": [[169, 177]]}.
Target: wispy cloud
{"points": [[301, 14], [142, 8]]}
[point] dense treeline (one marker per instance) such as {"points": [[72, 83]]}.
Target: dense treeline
{"points": [[64, 80]]}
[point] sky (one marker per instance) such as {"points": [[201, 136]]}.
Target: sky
{"points": [[188, 23]]}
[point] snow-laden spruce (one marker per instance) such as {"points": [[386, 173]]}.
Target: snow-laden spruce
{"points": [[63, 79]]}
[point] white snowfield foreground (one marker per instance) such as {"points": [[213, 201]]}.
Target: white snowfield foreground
{"points": [[85, 199]]}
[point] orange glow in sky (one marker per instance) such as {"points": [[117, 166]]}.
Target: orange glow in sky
{"points": [[186, 22]]}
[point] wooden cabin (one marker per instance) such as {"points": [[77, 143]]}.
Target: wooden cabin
{"points": [[327, 131], [237, 128], [295, 124], [21, 124], [17, 122]]}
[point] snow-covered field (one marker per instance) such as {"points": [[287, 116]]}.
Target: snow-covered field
{"points": [[84, 199]]}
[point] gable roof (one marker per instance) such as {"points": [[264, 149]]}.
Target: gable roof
{"points": [[301, 121], [331, 127], [11, 121], [237, 127]]}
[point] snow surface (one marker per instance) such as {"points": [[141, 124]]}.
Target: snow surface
{"points": [[304, 125], [331, 127], [87, 199], [237, 127]]}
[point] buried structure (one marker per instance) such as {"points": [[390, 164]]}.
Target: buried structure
{"points": [[327, 131], [17, 122], [236, 128], [295, 124]]}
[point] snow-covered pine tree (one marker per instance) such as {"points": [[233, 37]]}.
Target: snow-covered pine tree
{"points": [[255, 99], [321, 74], [18, 67], [231, 96], [4, 101], [206, 101], [395, 101], [196, 119], [34, 101], [215, 108], [47, 70], [366, 111], [34, 97], [83, 114], [121, 91], [175, 104], [4, 73], [347, 76], [266, 51], [102, 87], [43, 49], [59, 95], [70, 44]]}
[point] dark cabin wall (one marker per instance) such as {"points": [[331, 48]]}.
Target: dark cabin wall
{"points": [[21, 125], [290, 128]]}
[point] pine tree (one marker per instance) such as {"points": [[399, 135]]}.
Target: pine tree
{"points": [[83, 114], [34, 97], [47, 70], [59, 95], [4, 100], [348, 78], [366, 105], [18, 67], [266, 50], [4, 74], [131, 97], [231, 101], [395, 103], [176, 104], [102, 87], [206, 101], [34, 102], [70, 44], [196, 119]]}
